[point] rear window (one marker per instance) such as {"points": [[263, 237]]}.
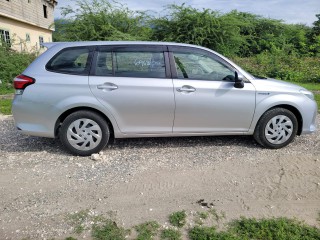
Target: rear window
{"points": [[71, 61]]}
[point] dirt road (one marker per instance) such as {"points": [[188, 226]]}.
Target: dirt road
{"points": [[147, 179]]}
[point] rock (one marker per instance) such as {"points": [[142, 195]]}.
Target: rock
{"points": [[95, 157]]}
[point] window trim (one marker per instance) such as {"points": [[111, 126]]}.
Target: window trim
{"points": [[131, 48], [85, 72]]}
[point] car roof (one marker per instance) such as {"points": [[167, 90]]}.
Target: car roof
{"points": [[54, 47], [110, 43]]}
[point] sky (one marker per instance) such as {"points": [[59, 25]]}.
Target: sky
{"points": [[291, 11]]}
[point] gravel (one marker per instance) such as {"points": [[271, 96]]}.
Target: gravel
{"points": [[36, 173]]}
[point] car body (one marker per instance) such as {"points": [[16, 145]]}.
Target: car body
{"points": [[152, 89]]}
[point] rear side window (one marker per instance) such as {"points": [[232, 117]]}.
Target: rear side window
{"points": [[104, 64], [140, 64], [71, 61]]}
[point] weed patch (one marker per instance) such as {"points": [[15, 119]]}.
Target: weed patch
{"points": [[108, 231], [277, 228], [171, 234], [204, 233], [241, 229], [77, 220], [178, 219], [146, 231]]}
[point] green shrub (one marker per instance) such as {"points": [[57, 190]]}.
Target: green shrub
{"points": [[12, 64], [284, 67]]}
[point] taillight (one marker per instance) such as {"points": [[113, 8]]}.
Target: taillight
{"points": [[22, 81]]}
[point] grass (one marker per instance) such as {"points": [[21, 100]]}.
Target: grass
{"points": [[210, 233], [240, 229], [178, 219], [146, 231], [275, 228], [200, 217], [217, 216], [77, 220], [317, 99], [171, 234], [309, 86], [5, 106], [5, 91], [203, 215], [108, 231]]}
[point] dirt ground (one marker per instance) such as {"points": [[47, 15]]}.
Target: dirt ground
{"points": [[147, 179]]}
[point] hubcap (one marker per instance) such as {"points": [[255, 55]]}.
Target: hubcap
{"points": [[279, 129], [84, 134]]}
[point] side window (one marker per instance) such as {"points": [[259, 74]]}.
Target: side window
{"points": [[201, 67], [104, 64], [139, 64], [70, 61]]}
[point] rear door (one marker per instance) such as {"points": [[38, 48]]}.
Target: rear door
{"points": [[135, 85]]}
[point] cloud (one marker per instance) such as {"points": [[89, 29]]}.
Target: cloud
{"points": [[291, 11]]}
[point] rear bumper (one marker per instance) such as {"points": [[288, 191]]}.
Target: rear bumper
{"points": [[33, 118]]}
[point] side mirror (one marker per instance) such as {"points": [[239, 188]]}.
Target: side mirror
{"points": [[238, 83]]}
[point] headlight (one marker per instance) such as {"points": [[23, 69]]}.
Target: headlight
{"points": [[307, 94]]}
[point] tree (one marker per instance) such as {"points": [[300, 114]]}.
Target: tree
{"points": [[314, 37], [99, 20]]}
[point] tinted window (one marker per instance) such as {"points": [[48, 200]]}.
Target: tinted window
{"points": [[70, 60], [202, 67], [103, 64], [139, 64]]}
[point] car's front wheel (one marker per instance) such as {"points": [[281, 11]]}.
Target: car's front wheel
{"points": [[84, 133], [276, 128]]}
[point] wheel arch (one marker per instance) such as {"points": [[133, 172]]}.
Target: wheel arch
{"points": [[63, 116], [292, 109]]}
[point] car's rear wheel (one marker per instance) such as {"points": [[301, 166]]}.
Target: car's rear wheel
{"points": [[84, 133], [276, 128]]}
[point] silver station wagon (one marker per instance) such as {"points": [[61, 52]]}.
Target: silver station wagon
{"points": [[86, 93]]}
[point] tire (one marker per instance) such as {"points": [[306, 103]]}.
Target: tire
{"points": [[276, 128], [84, 132]]}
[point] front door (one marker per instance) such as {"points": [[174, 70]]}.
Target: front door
{"points": [[205, 96]]}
